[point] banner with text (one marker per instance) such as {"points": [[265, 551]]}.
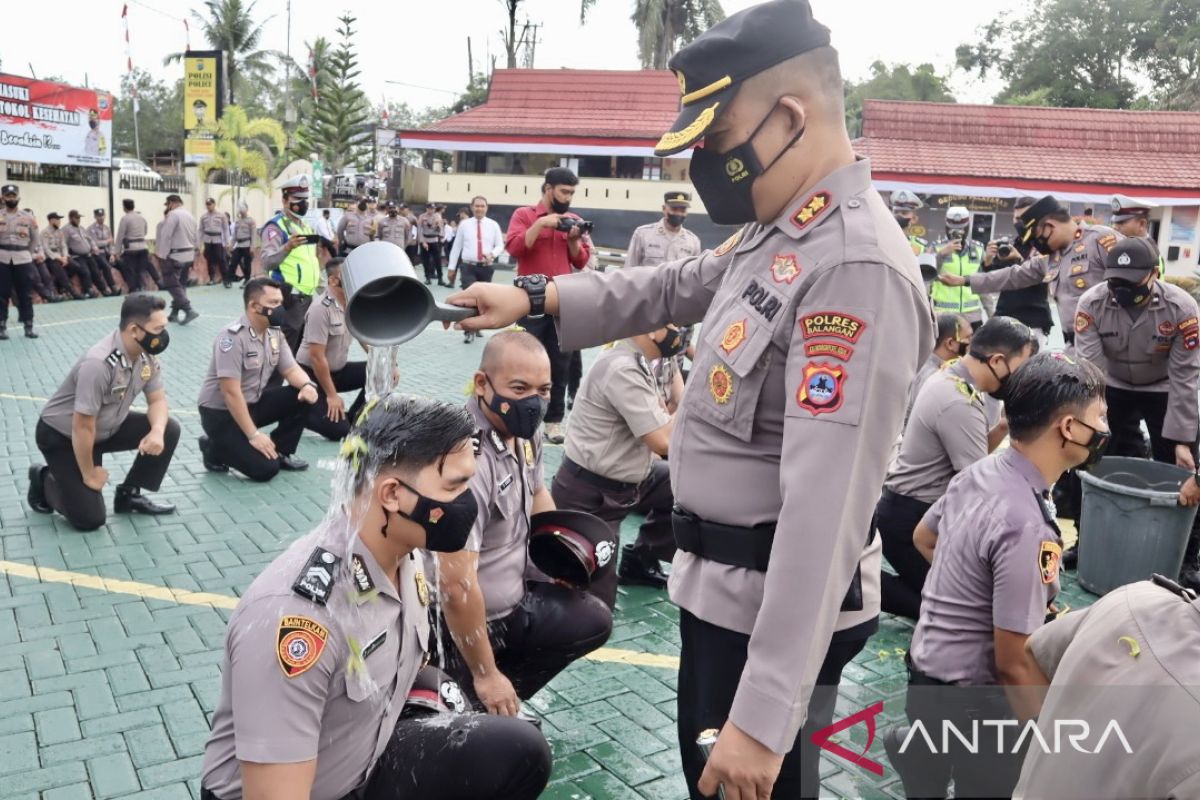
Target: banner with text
{"points": [[202, 104], [52, 123]]}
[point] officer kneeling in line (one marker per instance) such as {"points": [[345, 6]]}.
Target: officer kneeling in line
{"points": [[325, 355], [512, 636], [616, 452], [90, 415], [995, 550], [324, 648], [953, 340], [952, 426], [1144, 334], [241, 392]]}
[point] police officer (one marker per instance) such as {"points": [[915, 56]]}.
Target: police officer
{"points": [[667, 239], [19, 247], [83, 264], [289, 255], [429, 240], [958, 254], [175, 246], [1071, 258], [214, 233], [953, 341], [616, 454], [995, 550], [1142, 640], [102, 238], [949, 430], [58, 259], [412, 249], [393, 227], [783, 436], [511, 637], [905, 205], [130, 247], [325, 355], [1144, 334], [325, 647], [90, 415], [243, 244], [241, 392], [354, 228], [1131, 218], [1031, 304], [43, 281]]}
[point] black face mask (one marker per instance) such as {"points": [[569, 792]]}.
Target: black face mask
{"points": [[299, 208], [903, 222], [154, 343], [447, 525], [521, 417], [673, 344], [93, 124], [275, 316], [961, 348], [1001, 393], [559, 207], [11, 203], [1042, 245], [675, 220], [1127, 294], [725, 180], [1096, 445]]}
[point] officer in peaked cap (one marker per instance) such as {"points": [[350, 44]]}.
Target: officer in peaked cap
{"points": [[815, 321], [289, 255], [666, 239], [1132, 218]]}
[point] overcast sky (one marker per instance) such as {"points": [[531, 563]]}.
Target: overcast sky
{"points": [[397, 42]]}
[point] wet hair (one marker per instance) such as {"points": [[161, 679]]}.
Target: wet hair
{"points": [[127, 204], [559, 176], [406, 433], [137, 308], [333, 265], [947, 326], [1003, 335], [1046, 388], [256, 288], [500, 343]]}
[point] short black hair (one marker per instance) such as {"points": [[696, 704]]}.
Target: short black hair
{"points": [[324, 212], [1047, 387], [478, 197], [947, 326], [1003, 335], [127, 204], [559, 176], [405, 432], [1061, 214], [362, 205], [136, 308], [333, 265], [256, 287]]}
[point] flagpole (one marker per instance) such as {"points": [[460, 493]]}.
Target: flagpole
{"points": [[137, 140]]}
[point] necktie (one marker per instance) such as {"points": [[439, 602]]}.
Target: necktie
{"points": [[479, 240]]}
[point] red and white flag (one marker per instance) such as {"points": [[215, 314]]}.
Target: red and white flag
{"points": [[129, 57]]}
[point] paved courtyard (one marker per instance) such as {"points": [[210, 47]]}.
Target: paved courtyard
{"points": [[111, 641]]}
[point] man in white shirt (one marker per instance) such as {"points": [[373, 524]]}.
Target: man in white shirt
{"points": [[323, 227], [477, 243]]}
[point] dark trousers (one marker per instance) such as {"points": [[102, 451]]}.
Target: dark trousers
{"points": [[81, 267], [243, 258], [135, 265], [413, 251], [175, 281], [431, 258], [100, 272], [229, 446], [295, 306], [18, 278], [215, 258], [475, 272], [896, 517], [574, 373], [58, 274], [552, 627], [651, 497], [350, 377], [64, 487], [711, 661], [544, 331], [43, 281]]}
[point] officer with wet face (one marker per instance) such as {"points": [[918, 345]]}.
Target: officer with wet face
{"points": [[509, 637], [19, 247], [950, 429], [1144, 334], [781, 443], [324, 652], [996, 551], [325, 355]]}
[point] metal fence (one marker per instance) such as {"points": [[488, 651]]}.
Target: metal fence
{"points": [[68, 175], [170, 184]]}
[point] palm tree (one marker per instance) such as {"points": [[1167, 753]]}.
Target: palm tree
{"points": [[230, 28], [665, 25], [245, 151]]}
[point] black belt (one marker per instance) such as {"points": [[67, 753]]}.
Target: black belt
{"points": [[906, 501], [128, 242], [181, 250], [243, 241], [749, 548], [15, 248], [598, 481], [918, 678]]}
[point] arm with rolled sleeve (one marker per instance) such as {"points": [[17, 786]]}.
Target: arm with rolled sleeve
{"points": [[1018, 276], [820, 537], [1088, 345], [1183, 372]]}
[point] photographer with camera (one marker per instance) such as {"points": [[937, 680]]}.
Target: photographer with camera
{"points": [[1031, 305], [547, 241], [959, 255]]}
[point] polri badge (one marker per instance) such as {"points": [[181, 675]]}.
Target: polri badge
{"points": [[299, 644]]}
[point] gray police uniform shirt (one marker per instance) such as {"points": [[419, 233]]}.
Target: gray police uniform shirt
{"points": [[814, 325], [325, 323], [1154, 352], [177, 237], [78, 242], [54, 242], [931, 365], [946, 433], [354, 228], [1069, 272], [213, 229], [304, 680], [101, 236], [131, 233], [239, 352], [103, 384], [396, 230], [430, 227], [243, 231], [995, 566], [19, 240], [653, 244], [506, 477], [617, 404], [1129, 659]]}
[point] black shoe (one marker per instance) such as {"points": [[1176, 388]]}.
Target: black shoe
{"points": [[468, 337], [189, 316], [292, 464], [229, 286], [210, 463], [3, 333], [30, 333], [130, 499], [639, 569], [1070, 557], [428, 283], [37, 492]]}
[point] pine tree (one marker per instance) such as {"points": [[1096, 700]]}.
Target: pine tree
{"points": [[339, 127]]}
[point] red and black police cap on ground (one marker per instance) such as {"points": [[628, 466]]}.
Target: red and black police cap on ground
{"points": [[572, 547]]}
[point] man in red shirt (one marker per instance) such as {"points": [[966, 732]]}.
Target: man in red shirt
{"points": [[541, 248]]}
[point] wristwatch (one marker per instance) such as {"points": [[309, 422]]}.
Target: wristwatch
{"points": [[535, 287]]}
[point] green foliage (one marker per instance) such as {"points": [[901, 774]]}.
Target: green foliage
{"points": [[245, 151], [160, 115], [338, 127], [666, 25], [896, 82]]}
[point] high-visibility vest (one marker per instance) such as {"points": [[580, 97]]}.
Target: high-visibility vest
{"points": [[958, 299], [300, 269]]}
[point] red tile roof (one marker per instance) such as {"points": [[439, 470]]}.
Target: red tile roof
{"points": [[1067, 145], [619, 104]]}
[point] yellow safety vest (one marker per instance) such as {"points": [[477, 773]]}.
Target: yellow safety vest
{"points": [[958, 299], [301, 268]]}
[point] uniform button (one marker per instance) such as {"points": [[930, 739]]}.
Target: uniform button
{"points": [[853, 203]]}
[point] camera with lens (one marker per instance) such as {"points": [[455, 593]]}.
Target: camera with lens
{"points": [[1004, 248], [566, 223], [957, 235]]}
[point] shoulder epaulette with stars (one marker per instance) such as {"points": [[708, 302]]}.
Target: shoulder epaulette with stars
{"points": [[114, 358]]}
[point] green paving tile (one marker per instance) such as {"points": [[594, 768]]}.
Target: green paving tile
{"points": [[18, 753], [56, 726], [606, 786], [669, 788], [76, 791], [112, 776], [623, 763], [574, 766], [149, 746], [565, 791]]}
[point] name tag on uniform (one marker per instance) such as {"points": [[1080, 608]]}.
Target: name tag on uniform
{"points": [[120, 390], [374, 644], [506, 482]]}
